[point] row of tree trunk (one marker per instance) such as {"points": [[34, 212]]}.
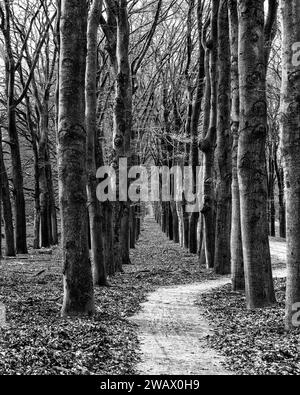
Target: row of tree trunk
{"points": [[238, 212], [237, 179], [45, 223], [113, 226]]}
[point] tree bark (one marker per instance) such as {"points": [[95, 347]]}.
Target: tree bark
{"points": [[237, 263], [281, 198], [37, 206], [0, 193], [122, 130], [19, 206], [223, 156], [290, 142], [7, 211], [77, 275], [271, 193], [197, 109], [207, 146], [94, 207], [17, 174], [53, 231], [251, 156], [43, 185]]}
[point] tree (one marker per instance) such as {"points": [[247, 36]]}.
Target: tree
{"points": [[123, 120], [10, 250], [9, 25], [237, 263], [224, 146], [196, 113], [20, 216], [207, 145], [290, 141], [0, 192], [117, 32], [45, 213], [251, 155], [95, 212], [78, 282]]}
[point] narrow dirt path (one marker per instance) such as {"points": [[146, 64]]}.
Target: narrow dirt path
{"points": [[173, 333]]}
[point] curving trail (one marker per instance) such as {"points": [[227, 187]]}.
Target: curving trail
{"points": [[173, 332]]}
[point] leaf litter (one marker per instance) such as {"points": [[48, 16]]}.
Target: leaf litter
{"points": [[38, 341], [254, 342]]}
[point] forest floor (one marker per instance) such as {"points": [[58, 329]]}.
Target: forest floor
{"points": [[37, 341], [175, 334], [163, 280], [253, 342]]}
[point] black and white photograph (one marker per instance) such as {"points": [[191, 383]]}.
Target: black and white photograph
{"points": [[149, 191]]}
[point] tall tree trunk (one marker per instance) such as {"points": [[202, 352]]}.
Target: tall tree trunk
{"points": [[107, 223], [170, 222], [205, 128], [175, 224], [223, 154], [19, 206], [122, 126], [125, 90], [94, 207], [52, 203], [271, 187], [7, 211], [251, 156], [271, 194], [37, 206], [138, 222], [281, 196], [132, 227], [43, 185], [0, 193], [108, 239], [237, 263], [197, 108], [78, 281], [290, 142], [208, 145], [124, 235], [17, 174]]}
